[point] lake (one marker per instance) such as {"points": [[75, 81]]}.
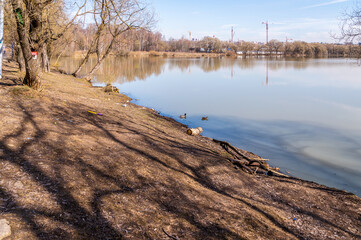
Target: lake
{"points": [[303, 114]]}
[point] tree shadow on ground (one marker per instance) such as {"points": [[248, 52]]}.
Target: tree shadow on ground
{"points": [[89, 226], [96, 169], [10, 76]]}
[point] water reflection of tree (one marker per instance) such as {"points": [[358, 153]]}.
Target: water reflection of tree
{"points": [[126, 69], [182, 64], [297, 63], [247, 63], [211, 64], [303, 63], [206, 64], [121, 69]]}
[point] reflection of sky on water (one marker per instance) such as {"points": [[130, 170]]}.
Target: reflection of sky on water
{"points": [[306, 120], [306, 151]]}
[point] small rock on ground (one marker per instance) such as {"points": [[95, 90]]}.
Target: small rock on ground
{"points": [[5, 229]]}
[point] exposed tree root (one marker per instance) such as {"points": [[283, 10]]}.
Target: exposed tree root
{"points": [[249, 164]]}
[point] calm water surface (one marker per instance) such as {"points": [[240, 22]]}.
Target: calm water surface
{"points": [[303, 114]]}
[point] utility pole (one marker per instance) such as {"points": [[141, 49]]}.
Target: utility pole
{"points": [[2, 5], [232, 35], [266, 31], [190, 41]]}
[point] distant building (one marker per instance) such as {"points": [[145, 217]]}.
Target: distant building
{"points": [[200, 50]]}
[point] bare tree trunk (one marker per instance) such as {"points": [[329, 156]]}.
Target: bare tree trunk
{"points": [[85, 60], [59, 56], [31, 65], [31, 77], [45, 63], [100, 60], [19, 58]]}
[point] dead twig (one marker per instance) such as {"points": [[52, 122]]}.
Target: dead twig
{"points": [[170, 236]]}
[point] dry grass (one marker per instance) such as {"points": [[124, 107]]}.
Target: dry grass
{"points": [[132, 174], [155, 54], [175, 54]]}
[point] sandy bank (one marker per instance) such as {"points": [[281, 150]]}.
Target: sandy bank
{"points": [[132, 174]]}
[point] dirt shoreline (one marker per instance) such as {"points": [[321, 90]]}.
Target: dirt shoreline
{"points": [[130, 173]]}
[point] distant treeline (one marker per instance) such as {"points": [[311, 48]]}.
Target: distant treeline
{"points": [[142, 40], [80, 39]]}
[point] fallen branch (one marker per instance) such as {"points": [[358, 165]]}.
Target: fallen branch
{"points": [[249, 164], [240, 165], [278, 174], [223, 143], [170, 236]]}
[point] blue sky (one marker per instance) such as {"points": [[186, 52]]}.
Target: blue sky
{"points": [[306, 20]]}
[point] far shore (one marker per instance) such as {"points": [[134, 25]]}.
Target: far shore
{"points": [[158, 54], [81, 54]]}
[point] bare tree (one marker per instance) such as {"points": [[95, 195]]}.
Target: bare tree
{"points": [[29, 21], [212, 44], [54, 26], [112, 18], [350, 26], [10, 36], [275, 46], [35, 32]]}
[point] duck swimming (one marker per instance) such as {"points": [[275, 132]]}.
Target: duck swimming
{"points": [[183, 116]]}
